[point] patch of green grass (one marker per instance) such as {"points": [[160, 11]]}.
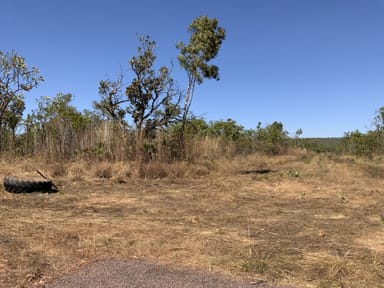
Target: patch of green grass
{"points": [[259, 266], [293, 173]]}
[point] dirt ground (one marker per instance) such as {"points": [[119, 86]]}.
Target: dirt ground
{"points": [[301, 220]]}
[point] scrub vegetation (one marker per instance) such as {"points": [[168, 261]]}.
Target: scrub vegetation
{"points": [[140, 176]]}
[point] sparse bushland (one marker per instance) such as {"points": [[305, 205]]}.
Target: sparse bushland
{"points": [[367, 144], [270, 208], [58, 132]]}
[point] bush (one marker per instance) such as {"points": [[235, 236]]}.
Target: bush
{"points": [[273, 139]]}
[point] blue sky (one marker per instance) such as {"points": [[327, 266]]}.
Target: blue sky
{"points": [[317, 65]]}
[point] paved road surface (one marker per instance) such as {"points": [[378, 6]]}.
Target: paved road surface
{"points": [[141, 274]]}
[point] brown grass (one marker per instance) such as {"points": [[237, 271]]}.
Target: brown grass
{"points": [[308, 220]]}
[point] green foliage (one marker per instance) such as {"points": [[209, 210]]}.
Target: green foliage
{"points": [[153, 99], [111, 101], [204, 44], [367, 144], [228, 130], [322, 145], [160, 126], [196, 127], [293, 173], [57, 125], [52, 111], [378, 121], [273, 138], [15, 79], [13, 115], [361, 144], [297, 141]]}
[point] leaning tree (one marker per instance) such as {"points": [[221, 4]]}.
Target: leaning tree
{"points": [[204, 44]]}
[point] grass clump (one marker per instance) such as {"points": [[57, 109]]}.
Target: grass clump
{"points": [[103, 171]]}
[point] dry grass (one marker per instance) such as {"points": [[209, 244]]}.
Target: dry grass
{"points": [[309, 220]]}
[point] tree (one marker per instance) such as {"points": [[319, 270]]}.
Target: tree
{"points": [[111, 100], [273, 137], [13, 116], [15, 79], [58, 125], [151, 99], [151, 94], [228, 130], [360, 144], [204, 44], [196, 127], [378, 121], [370, 143], [298, 142]]}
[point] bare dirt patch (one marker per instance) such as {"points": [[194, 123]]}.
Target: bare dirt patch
{"points": [[315, 221], [374, 241]]}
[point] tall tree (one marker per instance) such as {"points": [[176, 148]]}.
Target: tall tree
{"points": [[151, 94], [378, 121], [204, 44], [151, 99], [15, 79]]}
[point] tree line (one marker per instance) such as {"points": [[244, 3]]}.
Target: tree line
{"points": [[149, 119], [151, 100], [57, 131]]}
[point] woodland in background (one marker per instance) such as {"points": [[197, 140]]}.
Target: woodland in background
{"points": [[57, 131], [150, 119]]}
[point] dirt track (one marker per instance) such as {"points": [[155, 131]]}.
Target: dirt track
{"points": [[140, 274]]}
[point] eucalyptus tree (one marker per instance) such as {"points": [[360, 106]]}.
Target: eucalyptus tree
{"points": [[15, 79], [152, 100], [205, 40]]}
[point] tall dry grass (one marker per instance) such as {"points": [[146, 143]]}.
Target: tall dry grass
{"points": [[100, 140], [319, 227], [94, 140]]}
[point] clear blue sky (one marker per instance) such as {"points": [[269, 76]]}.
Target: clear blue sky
{"points": [[317, 65]]}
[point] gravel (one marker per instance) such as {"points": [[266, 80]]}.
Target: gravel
{"points": [[141, 274]]}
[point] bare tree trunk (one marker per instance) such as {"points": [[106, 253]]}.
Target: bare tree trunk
{"points": [[2, 134], [139, 145], [187, 105]]}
